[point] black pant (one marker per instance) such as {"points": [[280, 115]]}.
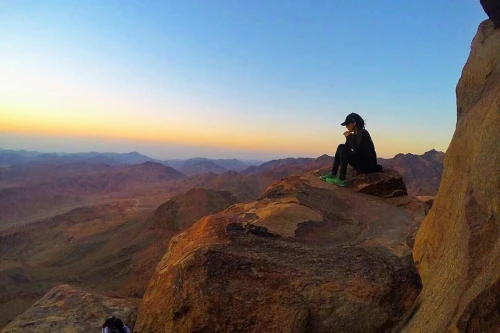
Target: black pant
{"points": [[344, 155]]}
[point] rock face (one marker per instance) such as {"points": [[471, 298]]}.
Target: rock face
{"points": [[492, 8], [306, 256], [66, 309], [457, 248]]}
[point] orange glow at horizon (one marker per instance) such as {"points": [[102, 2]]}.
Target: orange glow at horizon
{"points": [[21, 121], [159, 134]]}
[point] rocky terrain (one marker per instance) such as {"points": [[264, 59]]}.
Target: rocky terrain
{"points": [[110, 248], [68, 309], [292, 226], [300, 258], [303, 256], [121, 234]]}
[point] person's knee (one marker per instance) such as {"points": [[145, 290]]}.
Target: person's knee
{"points": [[344, 150]]}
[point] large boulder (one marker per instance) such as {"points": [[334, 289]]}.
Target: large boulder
{"points": [[386, 184], [457, 248], [67, 309], [305, 257]]}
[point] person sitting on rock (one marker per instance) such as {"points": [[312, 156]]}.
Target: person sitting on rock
{"points": [[358, 151], [114, 325]]}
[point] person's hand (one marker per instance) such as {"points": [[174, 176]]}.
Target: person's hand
{"points": [[347, 133]]}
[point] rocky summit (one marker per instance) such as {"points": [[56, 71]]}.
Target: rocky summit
{"points": [[306, 256], [457, 248], [67, 309]]}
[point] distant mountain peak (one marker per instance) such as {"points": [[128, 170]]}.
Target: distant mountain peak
{"points": [[433, 152], [151, 163], [324, 158]]}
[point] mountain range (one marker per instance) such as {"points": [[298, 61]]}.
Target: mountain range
{"points": [[188, 166], [421, 173]]}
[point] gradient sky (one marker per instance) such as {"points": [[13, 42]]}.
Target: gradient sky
{"points": [[246, 79]]}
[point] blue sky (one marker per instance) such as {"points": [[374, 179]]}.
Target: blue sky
{"points": [[246, 79]]}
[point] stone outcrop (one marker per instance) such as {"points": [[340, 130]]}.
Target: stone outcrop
{"points": [[67, 309], [457, 248], [386, 184], [492, 8], [306, 256]]}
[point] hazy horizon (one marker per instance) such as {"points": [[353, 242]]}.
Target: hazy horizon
{"points": [[221, 79], [238, 155]]}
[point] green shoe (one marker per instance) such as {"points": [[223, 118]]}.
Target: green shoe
{"points": [[341, 183], [335, 180], [324, 177], [332, 180]]}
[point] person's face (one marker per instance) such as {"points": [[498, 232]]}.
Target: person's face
{"points": [[350, 126]]}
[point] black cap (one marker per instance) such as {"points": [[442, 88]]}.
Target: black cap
{"points": [[351, 117]]}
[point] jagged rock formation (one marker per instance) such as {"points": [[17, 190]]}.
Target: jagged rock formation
{"points": [[67, 309], [457, 248], [492, 8], [305, 257]]}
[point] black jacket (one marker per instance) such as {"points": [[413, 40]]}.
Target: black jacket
{"points": [[362, 146]]}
